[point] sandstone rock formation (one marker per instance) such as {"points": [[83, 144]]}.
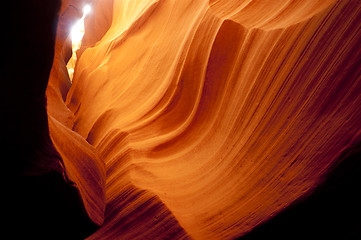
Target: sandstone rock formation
{"points": [[202, 119]]}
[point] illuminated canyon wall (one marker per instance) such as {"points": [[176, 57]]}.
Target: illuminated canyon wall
{"points": [[197, 119]]}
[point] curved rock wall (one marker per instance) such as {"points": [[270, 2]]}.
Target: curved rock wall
{"points": [[209, 117]]}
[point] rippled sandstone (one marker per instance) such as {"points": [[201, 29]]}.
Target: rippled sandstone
{"points": [[204, 119]]}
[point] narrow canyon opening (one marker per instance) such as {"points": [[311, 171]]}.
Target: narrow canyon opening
{"points": [[76, 35]]}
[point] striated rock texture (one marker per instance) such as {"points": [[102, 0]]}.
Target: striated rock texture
{"points": [[204, 119]]}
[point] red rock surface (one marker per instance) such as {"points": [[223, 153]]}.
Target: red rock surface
{"points": [[204, 119]]}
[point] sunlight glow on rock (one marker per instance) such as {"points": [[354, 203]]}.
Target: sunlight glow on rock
{"points": [[207, 119], [76, 34]]}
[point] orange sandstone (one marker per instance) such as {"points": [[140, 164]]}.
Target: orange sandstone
{"points": [[203, 119]]}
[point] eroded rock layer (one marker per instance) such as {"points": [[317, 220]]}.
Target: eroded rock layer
{"points": [[203, 119]]}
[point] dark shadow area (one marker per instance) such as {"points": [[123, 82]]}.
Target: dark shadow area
{"points": [[38, 202], [46, 207], [332, 211]]}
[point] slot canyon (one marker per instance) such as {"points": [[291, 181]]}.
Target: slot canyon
{"points": [[182, 119]]}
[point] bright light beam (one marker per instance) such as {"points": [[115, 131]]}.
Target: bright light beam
{"points": [[87, 9], [76, 34]]}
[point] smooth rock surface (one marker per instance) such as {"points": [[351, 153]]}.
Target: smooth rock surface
{"points": [[205, 119]]}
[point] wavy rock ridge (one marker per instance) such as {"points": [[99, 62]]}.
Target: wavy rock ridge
{"points": [[203, 119]]}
